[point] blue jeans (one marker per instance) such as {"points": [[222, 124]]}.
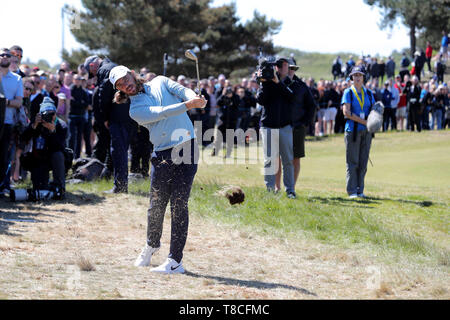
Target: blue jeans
{"points": [[426, 118], [276, 143], [120, 142], [76, 126], [171, 181], [437, 119]]}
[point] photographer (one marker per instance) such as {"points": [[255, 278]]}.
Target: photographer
{"points": [[48, 134], [276, 118]]}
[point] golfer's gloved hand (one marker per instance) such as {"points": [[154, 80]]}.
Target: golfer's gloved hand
{"points": [[198, 102]]}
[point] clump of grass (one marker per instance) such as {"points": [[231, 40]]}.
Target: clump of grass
{"points": [[384, 290], [85, 265]]}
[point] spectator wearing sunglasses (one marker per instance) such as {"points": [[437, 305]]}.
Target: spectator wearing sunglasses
{"points": [[13, 92], [17, 52]]}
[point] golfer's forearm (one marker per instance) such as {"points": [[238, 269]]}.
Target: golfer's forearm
{"points": [[178, 90], [147, 114]]}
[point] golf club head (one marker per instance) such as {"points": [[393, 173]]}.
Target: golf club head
{"points": [[191, 55]]}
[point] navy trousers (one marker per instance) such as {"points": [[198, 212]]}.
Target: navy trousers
{"points": [[76, 126], [120, 142], [171, 181]]}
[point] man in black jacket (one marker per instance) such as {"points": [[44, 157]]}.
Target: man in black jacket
{"points": [[77, 113], [276, 128], [102, 147], [412, 91], [49, 135], [115, 118], [228, 114], [303, 109]]}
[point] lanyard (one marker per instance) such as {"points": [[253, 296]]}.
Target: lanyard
{"points": [[357, 97]]}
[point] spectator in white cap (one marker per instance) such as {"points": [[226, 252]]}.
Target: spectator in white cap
{"points": [[156, 105], [182, 80], [357, 102]]}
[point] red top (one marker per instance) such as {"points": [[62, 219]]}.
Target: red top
{"points": [[402, 102], [429, 51]]}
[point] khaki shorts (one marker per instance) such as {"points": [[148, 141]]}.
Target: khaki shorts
{"points": [[401, 112]]}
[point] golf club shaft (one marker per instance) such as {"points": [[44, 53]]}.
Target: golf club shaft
{"points": [[198, 78]]}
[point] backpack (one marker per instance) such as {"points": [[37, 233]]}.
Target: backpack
{"points": [[405, 62], [90, 171]]}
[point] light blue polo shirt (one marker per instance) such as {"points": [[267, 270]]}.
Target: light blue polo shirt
{"points": [[356, 107], [161, 109], [13, 88]]}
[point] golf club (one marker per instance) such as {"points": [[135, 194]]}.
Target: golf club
{"points": [[165, 64], [192, 56]]}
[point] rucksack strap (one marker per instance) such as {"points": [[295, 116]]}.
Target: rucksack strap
{"points": [[355, 124]]}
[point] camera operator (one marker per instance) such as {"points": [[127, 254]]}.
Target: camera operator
{"points": [[49, 135], [276, 98]]}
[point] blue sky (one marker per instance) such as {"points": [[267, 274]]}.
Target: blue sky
{"points": [[327, 26]]}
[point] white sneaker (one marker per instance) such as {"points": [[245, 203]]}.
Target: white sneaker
{"points": [[169, 267], [361, 195], [353, 196], [145, 257]]}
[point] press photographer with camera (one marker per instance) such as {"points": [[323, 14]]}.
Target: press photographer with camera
{"points": [[275, 98], [48, 134]]}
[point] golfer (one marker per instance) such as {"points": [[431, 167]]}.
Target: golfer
{"points": [[156, 105], [357, 102]]}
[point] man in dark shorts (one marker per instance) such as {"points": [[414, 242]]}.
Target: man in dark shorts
{"points": [[302, 114]]}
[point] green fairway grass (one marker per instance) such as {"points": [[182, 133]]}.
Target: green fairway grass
{"points": [[407, 210]]}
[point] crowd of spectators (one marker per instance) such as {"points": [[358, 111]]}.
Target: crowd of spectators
{"points": [[46, 112]]}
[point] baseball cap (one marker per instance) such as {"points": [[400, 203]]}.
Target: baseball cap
{"points": [[117, 73], [88, 61], [293, 64], [47, 105], [357, 69], [281, 60], [181, 77]]}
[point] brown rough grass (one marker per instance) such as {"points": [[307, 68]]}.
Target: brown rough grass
{"points": [[50, 259]]}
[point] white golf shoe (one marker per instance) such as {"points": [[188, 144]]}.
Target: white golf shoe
{"points": [[170, 266], [145, 257]]}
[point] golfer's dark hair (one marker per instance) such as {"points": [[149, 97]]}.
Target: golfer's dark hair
{"points": [[121, 97]]}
